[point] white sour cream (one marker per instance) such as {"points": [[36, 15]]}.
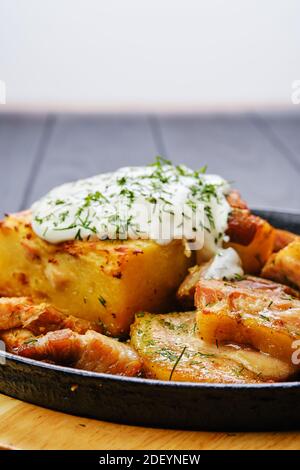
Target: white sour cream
{"points": [[87, 208], [226, 265]]}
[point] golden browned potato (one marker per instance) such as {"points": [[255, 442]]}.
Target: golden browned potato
{"points": [[267, 318], [102, 281], [284, 266], [284, 238], [252, 237], [171, 349]]}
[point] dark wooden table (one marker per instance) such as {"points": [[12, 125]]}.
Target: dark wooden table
{"points": [[259, 152]]}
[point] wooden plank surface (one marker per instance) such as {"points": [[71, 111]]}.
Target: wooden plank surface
{"points": [[235, 147], [21, 144], [283, 129], [84, 146], [260, 152], [26, 426]]}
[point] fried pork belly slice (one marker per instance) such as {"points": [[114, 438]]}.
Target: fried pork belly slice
{"points": [[186, 290], [265, 317], [171, 349], [15, 338], [20, 312], [91, 351], [258, 284], [252, 237], [284, 266]]}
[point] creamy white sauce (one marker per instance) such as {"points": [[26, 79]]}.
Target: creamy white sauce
{"points": [[87, 208], [226, 265]]}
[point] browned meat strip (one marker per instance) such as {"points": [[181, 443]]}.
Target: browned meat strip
{"points": [[15, 338], [187, 288], [91, 351], [20, 312], [236, 202]]}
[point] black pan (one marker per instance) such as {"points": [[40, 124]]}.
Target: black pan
{"points": [[157, 403]]}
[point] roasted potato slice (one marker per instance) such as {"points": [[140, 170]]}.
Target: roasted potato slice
{"points": [[171, 349], [284, 266], [267, 318]]}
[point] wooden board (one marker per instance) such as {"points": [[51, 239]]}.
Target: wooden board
{"points": [[22, 140], [283, 129], [84, 146], [24, 426], [237, 148]]}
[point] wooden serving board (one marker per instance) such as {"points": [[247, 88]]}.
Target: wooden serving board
{"points": [[25, 426]]}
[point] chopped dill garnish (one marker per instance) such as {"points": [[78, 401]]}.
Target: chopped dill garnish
{"points": [[30, 341], [102, 300], [201, 171], [78, 235], [264, 317], [239, 371], [209, 215], [177, 362], [205, 354], [160, 161], [39, 220], [122, 181]]}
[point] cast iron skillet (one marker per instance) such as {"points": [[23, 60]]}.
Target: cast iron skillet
{"points": [[157, 403]]}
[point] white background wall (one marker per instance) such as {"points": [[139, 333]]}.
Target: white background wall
{"points": [[147, 53]]}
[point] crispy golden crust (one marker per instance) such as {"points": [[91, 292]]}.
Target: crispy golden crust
{"points": [[283, 238], [252, 237], [263, 315], [284, 266], [95, 280], [171, 348], [91, 351]]}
